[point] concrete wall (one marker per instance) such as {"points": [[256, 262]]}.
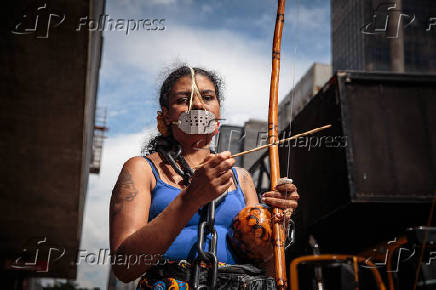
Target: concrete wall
{"points": [[49, 80], [305, 89]]}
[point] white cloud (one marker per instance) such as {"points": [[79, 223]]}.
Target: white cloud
{"points": [[244, 63], [264, 20], [95, 234], [206, 8], [307, 19]]}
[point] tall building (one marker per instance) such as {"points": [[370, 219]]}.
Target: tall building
{"points": [[379, 35], [308, 86]]}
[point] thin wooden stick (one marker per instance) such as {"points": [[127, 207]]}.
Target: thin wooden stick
{"points": [[310, 132], [313, 131]]}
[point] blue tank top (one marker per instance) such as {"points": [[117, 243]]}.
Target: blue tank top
{"points": [[184, 246]]}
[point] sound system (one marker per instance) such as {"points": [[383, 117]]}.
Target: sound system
{"points": [[372, 174]]}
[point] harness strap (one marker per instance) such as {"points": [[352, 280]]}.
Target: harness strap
{"points": [[153, 168]]}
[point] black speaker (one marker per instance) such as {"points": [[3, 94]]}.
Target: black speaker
{"points": [[373, 173]]}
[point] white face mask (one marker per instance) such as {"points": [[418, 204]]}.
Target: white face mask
{"points": [[197, 122]]}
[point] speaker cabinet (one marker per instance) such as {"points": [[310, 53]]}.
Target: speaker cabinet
{"points": [[373, 174]]}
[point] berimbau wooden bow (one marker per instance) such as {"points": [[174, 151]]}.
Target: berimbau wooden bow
{"points": [[278, 229]]}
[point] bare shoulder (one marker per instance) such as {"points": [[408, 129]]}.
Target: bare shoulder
{"points": [[136, 163], [243, 175], [138, 170], [139, 165], [247, 186]]}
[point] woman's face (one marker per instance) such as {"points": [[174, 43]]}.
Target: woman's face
{"points": [[179, 99]]}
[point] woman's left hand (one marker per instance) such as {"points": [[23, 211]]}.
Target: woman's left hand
{"points": [[284, 196]]}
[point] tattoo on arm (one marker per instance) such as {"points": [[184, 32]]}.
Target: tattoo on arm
{"points": [[124, 191]]}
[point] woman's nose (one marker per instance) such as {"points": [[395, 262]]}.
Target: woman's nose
{"points": [[197, 102]]}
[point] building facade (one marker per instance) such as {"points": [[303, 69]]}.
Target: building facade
{"points": [[308, 86], [377, 35]]}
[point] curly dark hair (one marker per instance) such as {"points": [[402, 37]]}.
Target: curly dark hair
{"points": [[165, 90]]}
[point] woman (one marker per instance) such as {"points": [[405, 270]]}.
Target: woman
{"points": [[156, 203]]}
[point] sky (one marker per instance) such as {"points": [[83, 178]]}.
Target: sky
{"points": [[233, 38]]}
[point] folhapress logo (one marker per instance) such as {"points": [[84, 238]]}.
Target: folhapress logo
{"points": [[37, 256], [387, 20], [38, 20]]}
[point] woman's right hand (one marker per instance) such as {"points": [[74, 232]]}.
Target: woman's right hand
{"points": [[212, 179]]}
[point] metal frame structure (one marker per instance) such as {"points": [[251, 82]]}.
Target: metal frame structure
{"points": [[332, 258]]}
